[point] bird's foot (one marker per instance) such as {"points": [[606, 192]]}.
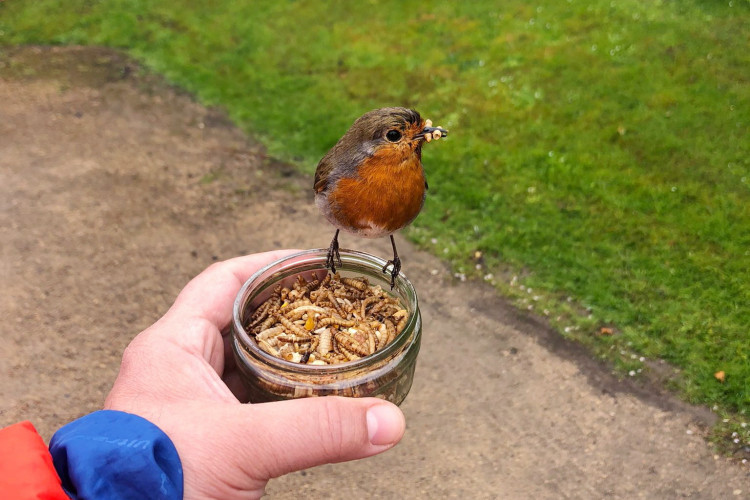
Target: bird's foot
{"points": [[396, 263], [333, 257]]}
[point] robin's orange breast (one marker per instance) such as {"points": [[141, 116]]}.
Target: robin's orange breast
{"points": [[387, 195]]}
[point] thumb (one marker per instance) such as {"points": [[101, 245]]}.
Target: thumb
{"points": [[297, 434]]}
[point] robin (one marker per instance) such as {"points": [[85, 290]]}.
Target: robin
{"points": [[371, 183]]}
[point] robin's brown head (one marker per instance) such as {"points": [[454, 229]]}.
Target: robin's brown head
{"points": [[396, 128]]}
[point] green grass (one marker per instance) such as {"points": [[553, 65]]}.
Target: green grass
{"points": [[599, 149]]}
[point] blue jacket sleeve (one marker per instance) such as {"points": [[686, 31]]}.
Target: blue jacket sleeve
{"points": [[116, 455]]}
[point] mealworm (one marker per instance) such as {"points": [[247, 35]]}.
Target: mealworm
{"points": [[324, 346], [345, 323], [298, 311], [269, 332], [391, 330], [366, 302], [348, 343], [292, 327], [377, 307], [359, 284], [401, 324], [350, 356], [336, 304], [296, 304], [382, 336], [268, 348], [348, 293], [268, 322], [308, 288], [294, 338], [371, 341], [261, 312]]}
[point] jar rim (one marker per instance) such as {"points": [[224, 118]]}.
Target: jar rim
{"points": [[311, 258]]}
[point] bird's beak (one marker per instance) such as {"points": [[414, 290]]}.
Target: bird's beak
{"points": [[429, 132]]}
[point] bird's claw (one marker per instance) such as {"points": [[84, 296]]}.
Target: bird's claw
{"points": [[333, 257], [396, 263]]}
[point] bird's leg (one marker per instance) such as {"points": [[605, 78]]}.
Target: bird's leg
{"points": [[333, 257], [396, 264]]}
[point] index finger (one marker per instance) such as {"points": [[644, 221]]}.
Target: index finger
{"points": [[211, 294]]}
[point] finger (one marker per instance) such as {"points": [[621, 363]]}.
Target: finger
{"points": [[298, 434], [211, 294]]}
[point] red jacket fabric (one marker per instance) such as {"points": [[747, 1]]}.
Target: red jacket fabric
{"points": [[26, 469]]}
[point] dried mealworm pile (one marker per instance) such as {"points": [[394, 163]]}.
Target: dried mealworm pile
{"points": [[327, 322]]}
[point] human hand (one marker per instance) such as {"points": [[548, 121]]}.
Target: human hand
{"points": [[180, 375]]}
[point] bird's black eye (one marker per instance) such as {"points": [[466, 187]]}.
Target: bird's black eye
{"points": [[393, 135]]}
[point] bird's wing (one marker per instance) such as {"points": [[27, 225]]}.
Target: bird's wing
{"points": [[322, 172]]}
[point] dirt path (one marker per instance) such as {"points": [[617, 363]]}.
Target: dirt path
{"points": [[115, 190]]}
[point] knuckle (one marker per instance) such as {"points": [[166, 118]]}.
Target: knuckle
{"points": [[134, 357], [131, 355]]}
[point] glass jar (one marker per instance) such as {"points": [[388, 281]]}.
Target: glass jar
{"points": [[386, 374]]}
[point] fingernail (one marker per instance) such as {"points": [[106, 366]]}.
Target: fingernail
{"points": [[385, 424]]}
